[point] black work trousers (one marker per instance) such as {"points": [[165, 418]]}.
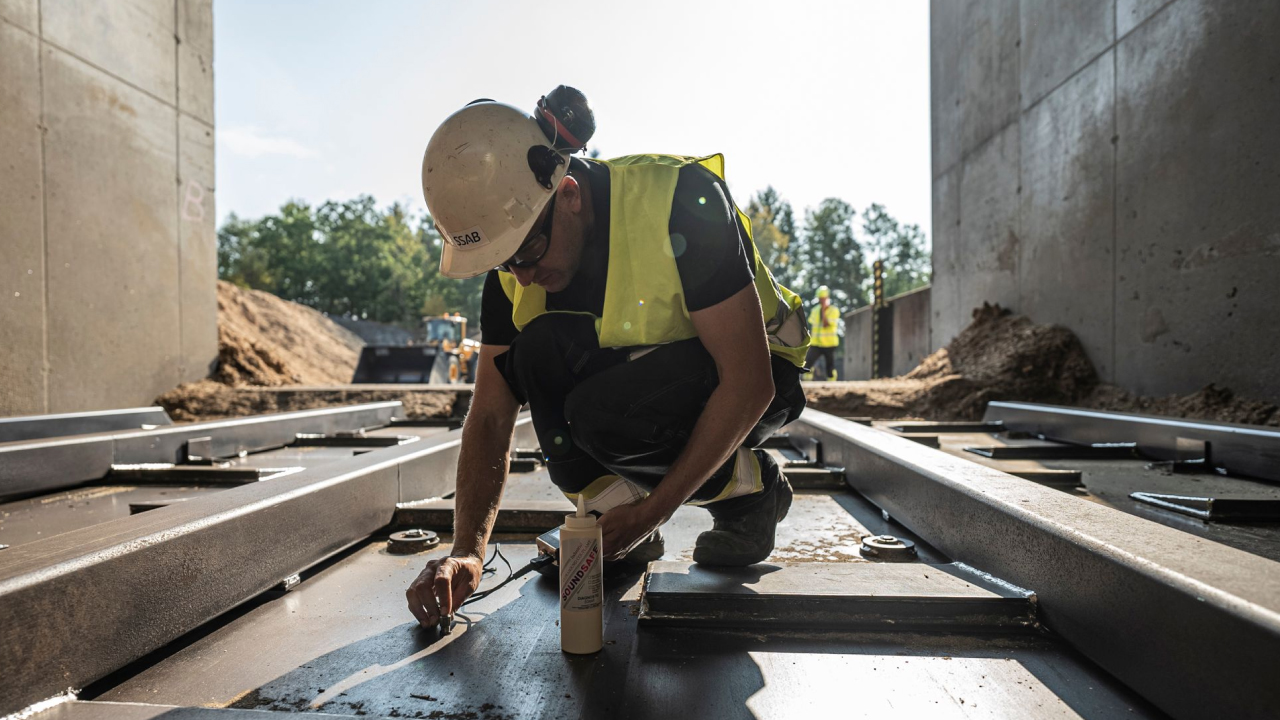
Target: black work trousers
{"points": [[625, 411]]}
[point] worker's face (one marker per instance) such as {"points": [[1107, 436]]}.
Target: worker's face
{"points": [[564, 253]]}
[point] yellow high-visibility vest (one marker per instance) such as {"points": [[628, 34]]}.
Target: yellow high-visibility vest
{"points": [[828, 334], [643, 297]]}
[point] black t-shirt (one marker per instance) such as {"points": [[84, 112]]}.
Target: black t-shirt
{"points": [[713, 255]]}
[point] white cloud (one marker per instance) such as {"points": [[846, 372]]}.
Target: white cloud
{"points": [[251, 142]]}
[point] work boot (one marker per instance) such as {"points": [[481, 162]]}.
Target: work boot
{"points": [[649, 549], [746, 537]]}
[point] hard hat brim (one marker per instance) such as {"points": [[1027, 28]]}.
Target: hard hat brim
{"points": [[462, 265]]}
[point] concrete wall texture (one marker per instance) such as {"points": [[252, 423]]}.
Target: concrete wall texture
{"points": [[911, 329], [857, 345], [911, 335], [1114, 166], [108, 280]]}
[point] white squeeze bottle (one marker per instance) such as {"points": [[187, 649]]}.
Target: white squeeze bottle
{"points": [[581, 583]]}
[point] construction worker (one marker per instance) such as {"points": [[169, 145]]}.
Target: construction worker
{"points": [[626, 304], [824, 333]]}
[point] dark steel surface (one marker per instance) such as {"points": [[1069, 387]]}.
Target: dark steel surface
{"points": [[1191, 625], [358, 441], [1224, 509], [43, 465], [815, 478], [1054, 452], [1244, 449], [35, 427], [80, 710], [203, 474], [32, 519], [837, 596], [503, 660], [1112, 483], [529, 516], [933, 428], [77, 606], [1052, 478]]}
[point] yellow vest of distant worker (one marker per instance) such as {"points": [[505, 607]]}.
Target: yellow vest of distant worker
{"points": [[643, 296], [825, 334]]}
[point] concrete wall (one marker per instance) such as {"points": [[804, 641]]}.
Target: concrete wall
{"points": [[857, 345], [108, 284], [911, 329], [911, 335], [1114, 166]]}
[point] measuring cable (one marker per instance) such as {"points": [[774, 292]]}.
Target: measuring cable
{"points": [[446, 621]]}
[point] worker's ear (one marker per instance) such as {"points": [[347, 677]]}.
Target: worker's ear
{"points": [[569, 196]]}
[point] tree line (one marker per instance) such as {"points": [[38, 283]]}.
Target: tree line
{"points": [[355, 259]]}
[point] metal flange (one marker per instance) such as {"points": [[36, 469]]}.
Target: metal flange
{"points": [[413, 540], [888, 548]]}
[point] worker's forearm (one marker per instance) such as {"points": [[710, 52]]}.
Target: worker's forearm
{"points": [[727, 419], [482, 473]]}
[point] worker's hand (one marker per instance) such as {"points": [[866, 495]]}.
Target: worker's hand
{"points": [[442, 586], [624, 526]]}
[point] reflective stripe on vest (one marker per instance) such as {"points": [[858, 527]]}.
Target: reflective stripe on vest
{"points": [[643, 298], [825, 336]]}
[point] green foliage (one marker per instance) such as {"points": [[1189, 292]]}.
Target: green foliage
{"points": [[353, 259], [772, 229], [829, 254], [904, 249], [829, 250], [346, 258]]}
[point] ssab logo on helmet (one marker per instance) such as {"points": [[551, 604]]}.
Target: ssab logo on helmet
{"points": [[472, 237]]}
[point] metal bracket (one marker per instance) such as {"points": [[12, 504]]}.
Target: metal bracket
{"points": [[200, 450], [1220, 509]]}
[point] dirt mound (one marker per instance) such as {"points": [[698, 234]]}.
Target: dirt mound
{"points": [[263, 340], [1209, 403], [1001, 356], [267, 342], [211, 400]]}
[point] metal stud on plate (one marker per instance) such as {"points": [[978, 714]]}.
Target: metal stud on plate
{"points": [[413, 540], [888, 548]]}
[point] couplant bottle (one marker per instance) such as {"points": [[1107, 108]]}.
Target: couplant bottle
{"points": [[581, 583]]}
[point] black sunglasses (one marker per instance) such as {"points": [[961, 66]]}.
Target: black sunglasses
{"points": [[535, 248]]}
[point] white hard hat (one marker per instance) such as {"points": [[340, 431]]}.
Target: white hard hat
{"points": [[488, 172]]}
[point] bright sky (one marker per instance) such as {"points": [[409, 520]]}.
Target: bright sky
{"points": [[320, 100]]}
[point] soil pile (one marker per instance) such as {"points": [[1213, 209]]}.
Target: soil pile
{"points": [[1002, 356], [266, 342], [211, 400], [1209, 403]]}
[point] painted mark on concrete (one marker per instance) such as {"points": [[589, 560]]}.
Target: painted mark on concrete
{"points": [[193, 204]]}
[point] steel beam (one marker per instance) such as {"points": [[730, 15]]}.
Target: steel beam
{"points": [[1191, 625], [77, 606], [51, 464], [35, 427], [96, 710], [1244, 449], [1113, 451], [834, 596], [514, 516], [933, 428]]}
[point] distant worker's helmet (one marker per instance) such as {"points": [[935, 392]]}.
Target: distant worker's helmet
{"points": [[824, 292], [488, 172]]}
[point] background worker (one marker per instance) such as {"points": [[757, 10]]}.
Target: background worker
{"points": [[630, 310], [824, 334]]}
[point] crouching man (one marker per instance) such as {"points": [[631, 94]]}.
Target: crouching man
{"points": [[625, 302]]}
